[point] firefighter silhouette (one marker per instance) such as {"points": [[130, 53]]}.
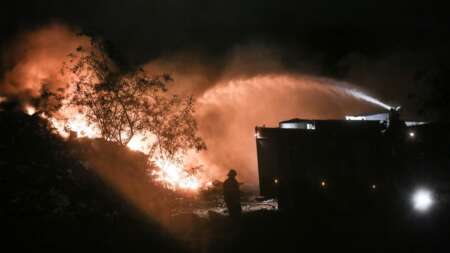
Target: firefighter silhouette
{"points": [[232, 195]]}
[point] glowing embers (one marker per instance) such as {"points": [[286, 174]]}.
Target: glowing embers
{"points": [[422, 200]]}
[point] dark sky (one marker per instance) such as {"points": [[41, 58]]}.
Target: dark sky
{"points": [[142, 29], [377, 44]]}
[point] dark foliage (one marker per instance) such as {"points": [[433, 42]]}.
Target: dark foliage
{"points": [[57, 196], [53, 198]]}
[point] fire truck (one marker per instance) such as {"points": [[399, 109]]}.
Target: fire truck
{"points": [[370, 162]]}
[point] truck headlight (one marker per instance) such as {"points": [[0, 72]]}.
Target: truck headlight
{"points": [[422, 200]]}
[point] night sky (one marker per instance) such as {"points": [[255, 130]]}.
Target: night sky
{"points": [[145, 29], [378, 45]]}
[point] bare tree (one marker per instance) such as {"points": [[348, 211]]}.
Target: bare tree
{"points": [[131, 104]]}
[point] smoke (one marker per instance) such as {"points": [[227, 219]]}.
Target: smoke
{"points": [[253, 87], [34, 60], [249, 86], [228, 113]]}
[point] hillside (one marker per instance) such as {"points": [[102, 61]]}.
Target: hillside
{"points": [[76, 194]]}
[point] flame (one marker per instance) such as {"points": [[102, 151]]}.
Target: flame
{"points": [[136, 144], [235, 93], [175, 176], [38, 61], [30, 110], [141, 142], [69, 120], [171, 174]]}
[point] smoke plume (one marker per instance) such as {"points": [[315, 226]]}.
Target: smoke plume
{"points": [[252, 87], [34, 60], [249, 86]]}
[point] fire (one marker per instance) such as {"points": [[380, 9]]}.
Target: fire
{"points": [[175, 176], [30, 110], [136, 144], [39, 60], [140, 143], [68, 120], [171, 174]]}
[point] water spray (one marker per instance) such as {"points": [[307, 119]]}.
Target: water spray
{"points": [[362, 96], [350, 89]]}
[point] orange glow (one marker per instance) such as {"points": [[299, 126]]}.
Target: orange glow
{"points": [[136, 144], [228, 108], [140, 142], [175, 176], [171, 174], [69, 119], [228, 112], [245, 101]]}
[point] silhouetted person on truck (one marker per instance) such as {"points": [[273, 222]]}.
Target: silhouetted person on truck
{"points": [[232, 195]]}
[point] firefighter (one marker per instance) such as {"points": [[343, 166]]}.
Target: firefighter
{"points": [[232, 195]]}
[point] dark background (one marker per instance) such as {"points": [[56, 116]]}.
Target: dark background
{"points": [[389, 47], [146, 29]]}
